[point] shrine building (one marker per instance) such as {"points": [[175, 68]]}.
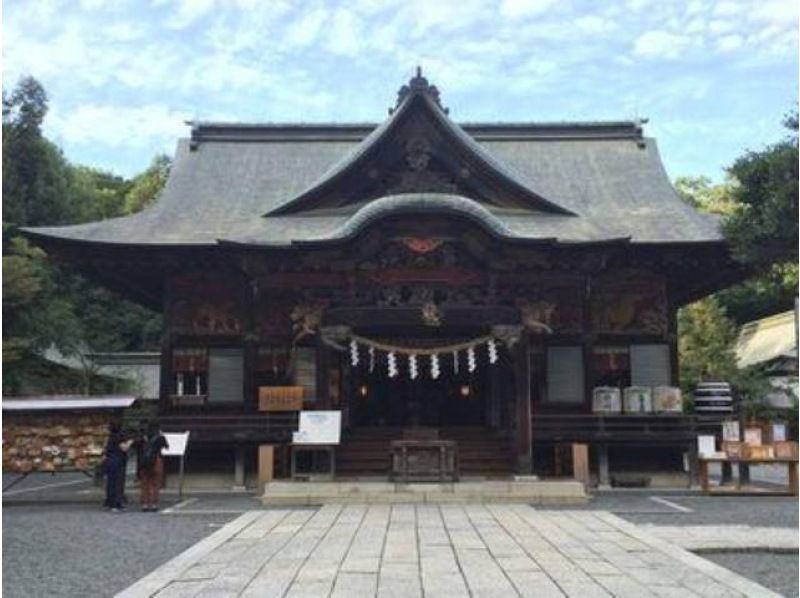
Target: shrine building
{"points": [[480, 280]]}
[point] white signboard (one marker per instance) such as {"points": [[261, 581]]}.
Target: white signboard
{"points": [[178, 442], [778, 432], [730, 431], [706, 446], [319, 427]]}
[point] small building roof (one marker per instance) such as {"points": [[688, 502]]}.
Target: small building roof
{"points": [[67, 403], [767, 339]]}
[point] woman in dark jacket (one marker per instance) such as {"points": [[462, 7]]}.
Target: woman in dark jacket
{"points": [[116, 449], [150, 465]]}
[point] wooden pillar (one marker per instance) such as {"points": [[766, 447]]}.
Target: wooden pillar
{"points": [[238, 468], [603, 476], [165, 374], [249, 389], [524, 433], [266, 465], [323, 386], [250, 347]]}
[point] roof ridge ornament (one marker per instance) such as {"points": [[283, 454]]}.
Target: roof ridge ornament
{"points": [[419, 85]]}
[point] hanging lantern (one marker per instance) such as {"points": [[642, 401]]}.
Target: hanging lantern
{"points": [[412, 367], [371, 352], [492, 351], [391, 360], [354, 352], [471, 363], [434, 366]]}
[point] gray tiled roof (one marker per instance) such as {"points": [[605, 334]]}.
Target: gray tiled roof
{"points": [[609, 175]]}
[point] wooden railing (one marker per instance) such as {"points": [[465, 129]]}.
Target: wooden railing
{"points": [[662, 429]]}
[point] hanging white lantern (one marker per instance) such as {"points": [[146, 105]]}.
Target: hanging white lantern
{"points": [[471, 363], [492, 351], [354, 352], [455, 362], [391, 360], [435, 366], [371, 352], [412, 367]]}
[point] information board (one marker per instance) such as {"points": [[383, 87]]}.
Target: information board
{"points": [[178, 441], [319, 427]]}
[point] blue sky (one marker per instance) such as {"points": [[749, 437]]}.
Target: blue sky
{"points": [[713, 76]]}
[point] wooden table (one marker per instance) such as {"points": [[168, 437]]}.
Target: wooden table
{"points": [[791, 465], [424, 460]]}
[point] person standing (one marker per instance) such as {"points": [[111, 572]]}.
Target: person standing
{"points": [[115, 458], [150, 466]]}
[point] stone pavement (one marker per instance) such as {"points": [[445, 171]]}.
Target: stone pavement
{"points": [[437, 550]]}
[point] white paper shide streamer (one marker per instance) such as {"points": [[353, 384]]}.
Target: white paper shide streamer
{"points": [[471, 362], [371, 352], [435, 366], [412, 367], [353, 352], [492, 351], [391, 360], [455, 362]]}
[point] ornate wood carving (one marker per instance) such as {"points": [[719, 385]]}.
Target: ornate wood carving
{"points": [[207, 304], [630, 305]]}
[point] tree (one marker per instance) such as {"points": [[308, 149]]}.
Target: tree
{"points": [[146, 186], [705, 343], [699, 192], [763, 229], [35, 173], [44, 305], [758, 206]]}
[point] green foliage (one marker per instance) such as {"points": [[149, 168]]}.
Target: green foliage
{"points": [[758, 205], [699, 192], [759, 210], [146, 186], [705, 344], [763, 229], [45, 305]]}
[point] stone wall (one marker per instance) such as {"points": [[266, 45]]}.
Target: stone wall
{"points": [[62, 442]]}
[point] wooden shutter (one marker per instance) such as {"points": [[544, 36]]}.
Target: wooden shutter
{"points": [[565, 375], [650, 365], [225, 376]]}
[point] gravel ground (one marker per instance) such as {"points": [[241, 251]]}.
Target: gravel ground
{"points": [[778, 572], [83, 550]]}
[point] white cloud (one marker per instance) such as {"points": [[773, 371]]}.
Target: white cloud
{"points": [[307, 28], [190, 11], [729, 43], [660, 44], [525, 8], [594, 24], [345, 33], [118, 126]]}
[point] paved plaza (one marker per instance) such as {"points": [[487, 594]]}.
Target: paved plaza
{"points": [[437, 550]]}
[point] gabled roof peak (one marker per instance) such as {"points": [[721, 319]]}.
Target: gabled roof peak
{"points": [[418, 85]]}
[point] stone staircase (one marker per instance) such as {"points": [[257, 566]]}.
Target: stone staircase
{"points": [[364, 451]]}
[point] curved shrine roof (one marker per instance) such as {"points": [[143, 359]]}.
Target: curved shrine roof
{"points": [[274, 185]]}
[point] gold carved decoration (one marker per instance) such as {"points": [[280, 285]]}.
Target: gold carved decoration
{"points": [[537, 316], [306, 318]]}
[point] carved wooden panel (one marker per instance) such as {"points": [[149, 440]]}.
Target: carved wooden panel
{"points": [[630, 305], [208, 304]]}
